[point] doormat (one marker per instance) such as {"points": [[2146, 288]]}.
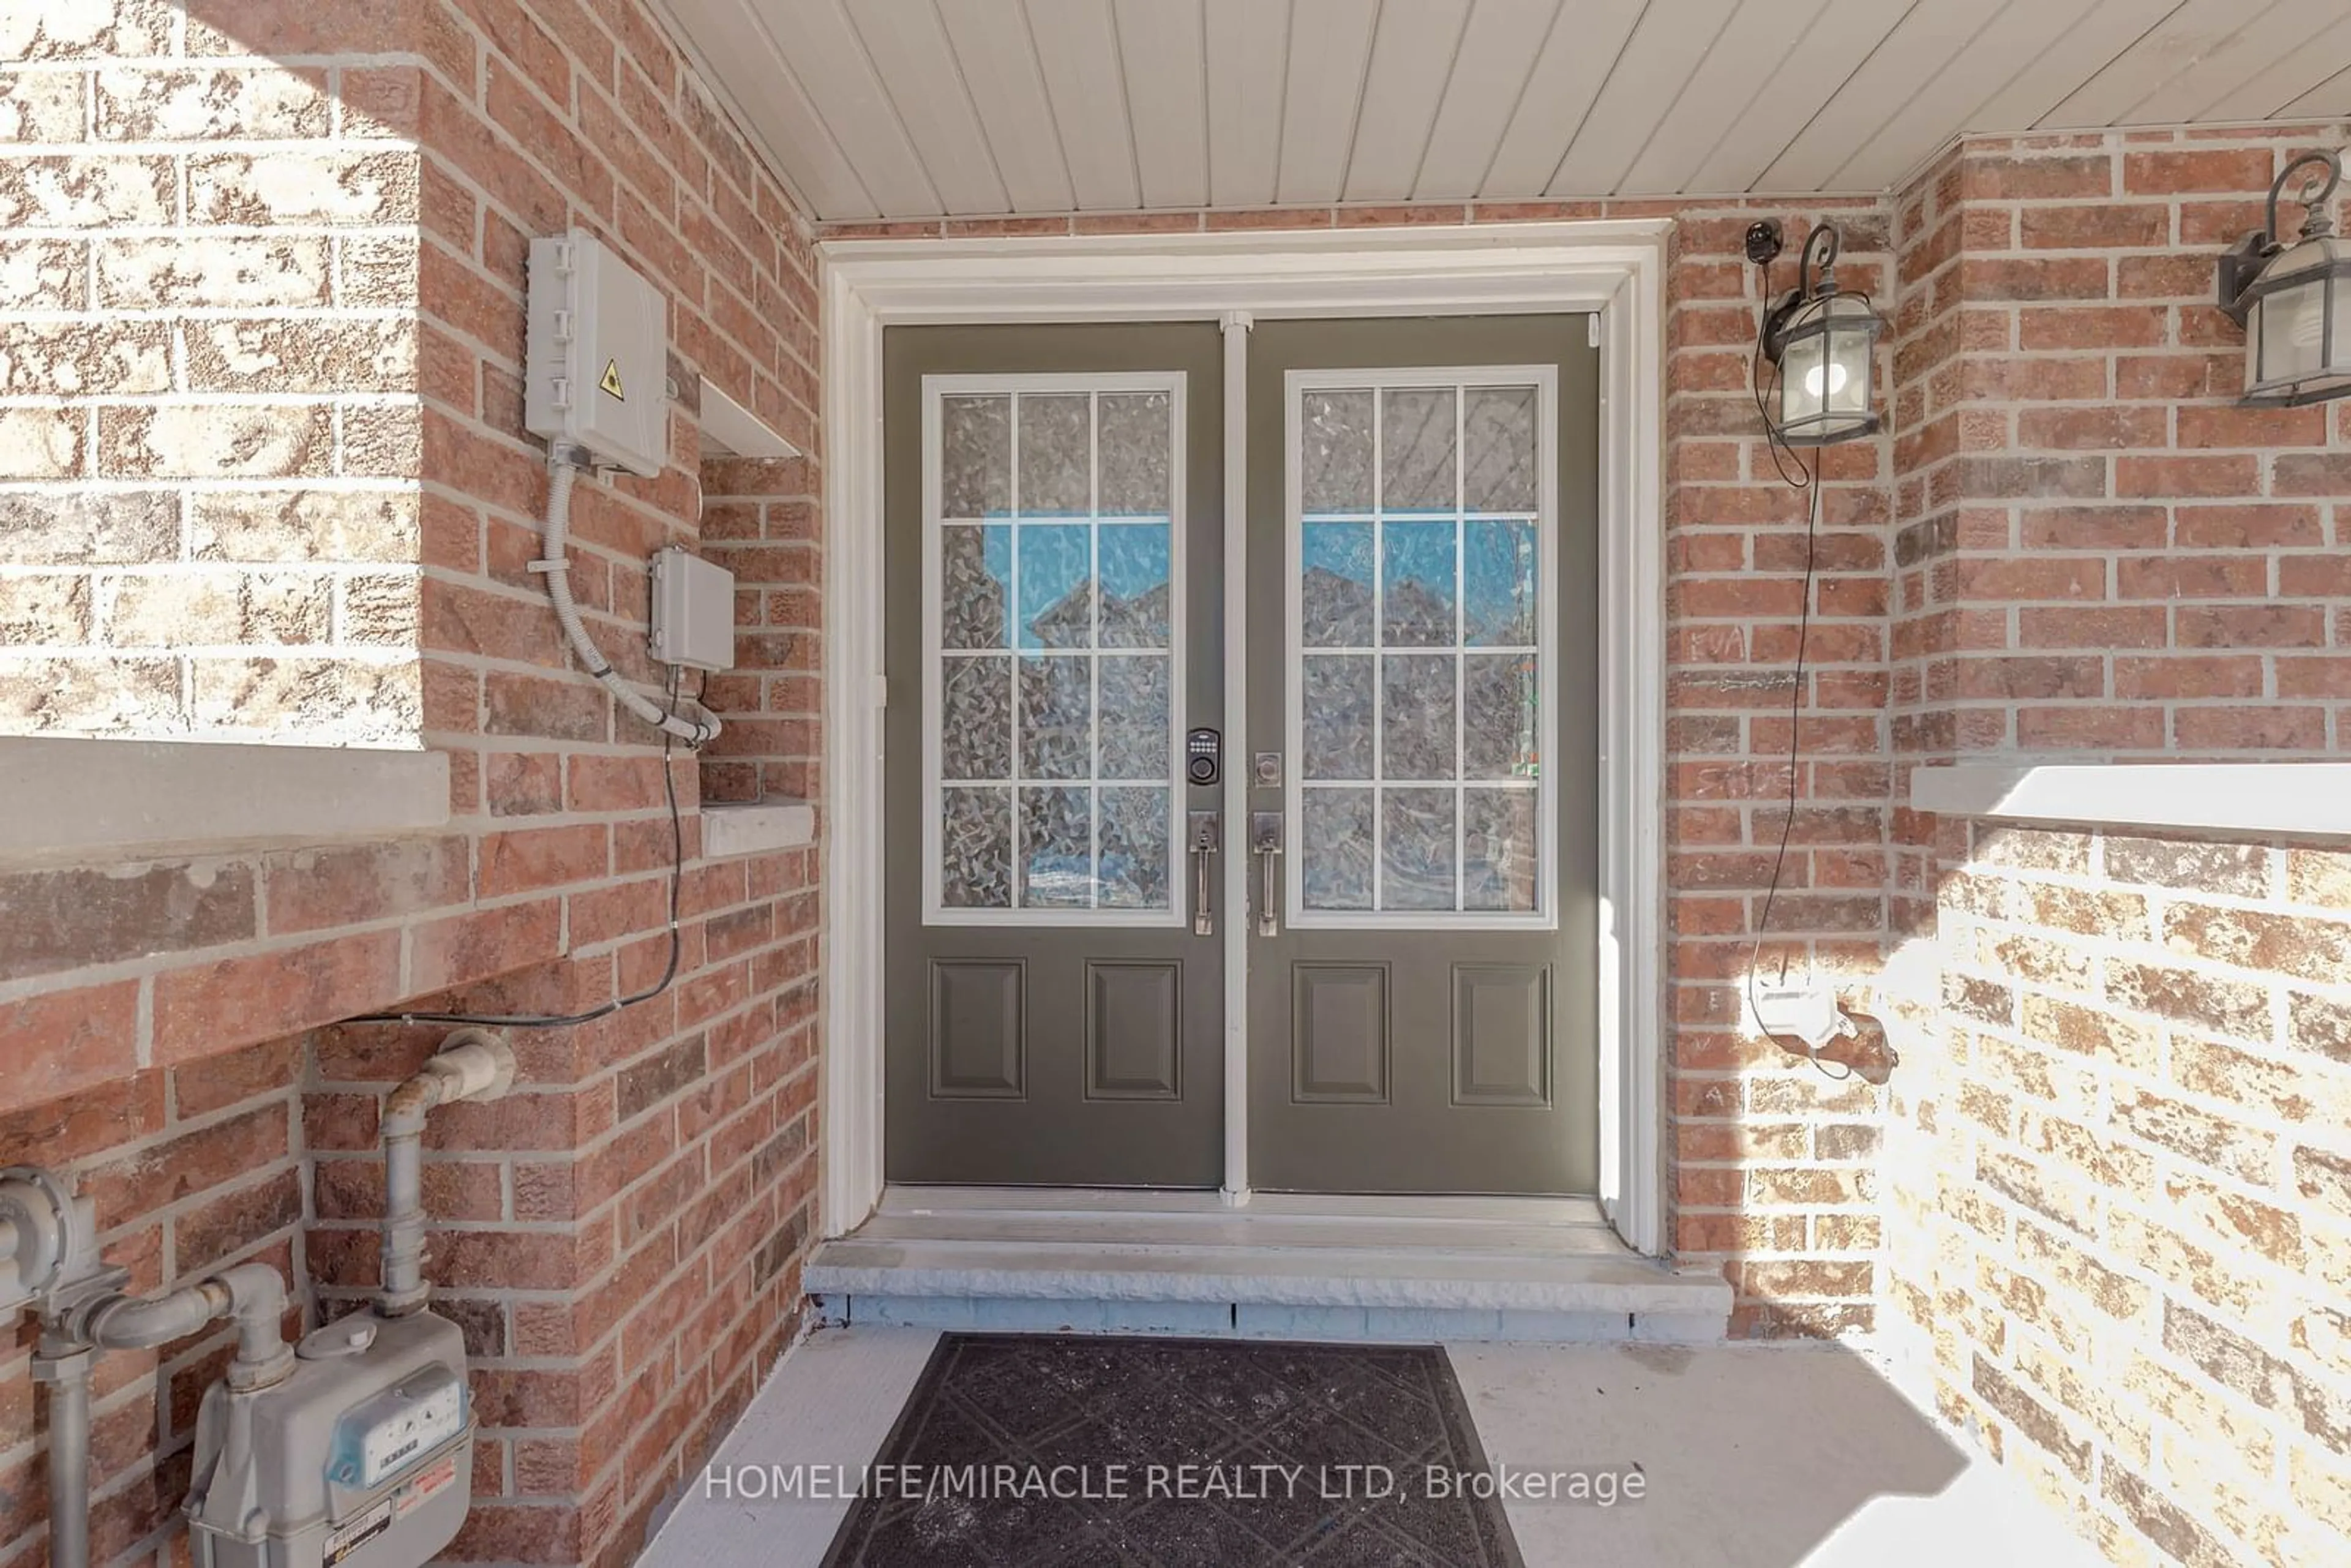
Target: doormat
{"points": [[1036, 1450]]}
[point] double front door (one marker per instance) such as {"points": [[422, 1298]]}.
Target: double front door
{"points": [[1419, 986]]}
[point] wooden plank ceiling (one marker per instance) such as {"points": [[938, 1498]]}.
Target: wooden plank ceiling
{"points": [[918, 108]]}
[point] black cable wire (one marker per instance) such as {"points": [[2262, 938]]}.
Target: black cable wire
{"points": [[676, 938], [1806, 478]]}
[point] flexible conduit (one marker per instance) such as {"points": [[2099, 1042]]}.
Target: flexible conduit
{"points": [[689, 720]]}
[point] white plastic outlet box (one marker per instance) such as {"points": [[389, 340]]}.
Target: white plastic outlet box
{"points": [[694, 612]]}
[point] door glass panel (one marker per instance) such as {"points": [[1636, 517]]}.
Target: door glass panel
{"points": [[1334, 465], [1499, 441], [1419, 645], [974, 457], [1136, 583], [1135, 453], [1335, 854], [977, 564], [1055, 689], [1420, 432], [1337, 699], [1416, 597], [1335, 591]]}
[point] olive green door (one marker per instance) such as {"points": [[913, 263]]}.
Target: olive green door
{"points": [[1053, 501], [1423, 608]]}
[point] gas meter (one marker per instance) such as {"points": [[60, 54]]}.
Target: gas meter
{"points": [[362, 1457]]}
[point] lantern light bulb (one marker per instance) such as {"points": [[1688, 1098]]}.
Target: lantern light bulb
{"points": [[1834, 375]]}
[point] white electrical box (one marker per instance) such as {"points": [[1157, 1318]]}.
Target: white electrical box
{"points": [[694, 612], [597, 348]]}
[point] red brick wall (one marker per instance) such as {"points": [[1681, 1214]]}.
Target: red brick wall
{"points": [[2117, 1222], [2105, 555], [622, 1237]]}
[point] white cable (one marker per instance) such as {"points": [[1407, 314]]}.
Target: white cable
{"points": [[697, 730]]}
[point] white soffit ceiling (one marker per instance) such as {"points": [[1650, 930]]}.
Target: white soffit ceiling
{"points": [[919, 108]]}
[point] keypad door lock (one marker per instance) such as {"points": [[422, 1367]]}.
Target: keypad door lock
{"points": [[1204, 752]]}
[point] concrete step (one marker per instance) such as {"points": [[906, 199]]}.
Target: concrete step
{"points": [[1273, 1273]]}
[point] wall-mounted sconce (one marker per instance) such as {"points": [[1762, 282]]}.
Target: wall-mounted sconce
{"points": [[2293, 301], [1824, 339]]}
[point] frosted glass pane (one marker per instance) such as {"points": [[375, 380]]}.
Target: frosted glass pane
{"points": [[1417, 848], [1334, 459], [974, 457], [1334, 857], [975, 849], [1057, 867], [975, 718], [975, 582], [1135, 737], [1501, 710], [1056, 456], [1135, 436], [1134, 848], [1416, 442], [1417, 722], [1057, 705], [1336, 716], [1499, 473], [1500, 860]]}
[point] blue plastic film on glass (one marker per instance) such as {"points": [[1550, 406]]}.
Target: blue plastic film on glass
{"points": [[1499, 583], [1417, 585], [1057, 601], [1334, 587], [1135, 574]]}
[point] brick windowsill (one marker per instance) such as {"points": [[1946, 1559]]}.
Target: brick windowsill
{"points": [[83, 801], [2305, 800]]}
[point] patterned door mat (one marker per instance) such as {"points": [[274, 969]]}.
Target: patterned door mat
{"points": [[1076, 1451]]}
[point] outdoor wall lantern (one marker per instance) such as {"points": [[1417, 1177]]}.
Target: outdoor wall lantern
{"points": [[1824, 339], [2294, 300]]}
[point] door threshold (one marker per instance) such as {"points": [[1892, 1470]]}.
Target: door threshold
{"points": [[900, 1198], [1315, 1267]]}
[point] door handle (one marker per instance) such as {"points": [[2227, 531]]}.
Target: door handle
{"points": [[1265, 838], [1205, 837]]}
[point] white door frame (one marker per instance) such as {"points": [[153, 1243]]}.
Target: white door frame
{"points": [[1614, 269]]}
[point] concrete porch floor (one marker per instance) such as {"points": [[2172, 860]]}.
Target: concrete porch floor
{"points": [[1755, 1456]]}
